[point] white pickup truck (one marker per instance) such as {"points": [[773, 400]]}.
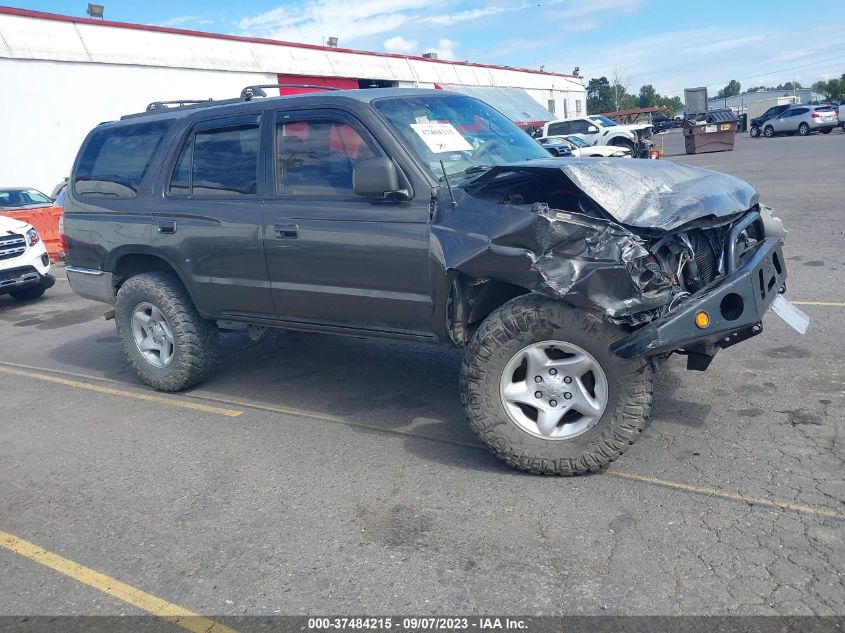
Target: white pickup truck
{"points": [[24, 264], [599, 130]]}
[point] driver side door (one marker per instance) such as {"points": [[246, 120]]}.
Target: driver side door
{"points": [[334, 257]]}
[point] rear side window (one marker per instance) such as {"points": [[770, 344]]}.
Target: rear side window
{"points": [[218, 162], [560, 128], [114, 160]]}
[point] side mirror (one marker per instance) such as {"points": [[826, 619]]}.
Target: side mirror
{"points": [[592, 129], [375, 177]]}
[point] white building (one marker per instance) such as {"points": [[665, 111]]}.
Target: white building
{"points": [[63, 75]]}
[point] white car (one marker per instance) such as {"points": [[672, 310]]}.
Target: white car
{"points": [[599, 130], [582, 149], [24, 264]]}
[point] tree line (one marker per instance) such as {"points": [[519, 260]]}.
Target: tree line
{"points": [[605, 95], [831, 88]]}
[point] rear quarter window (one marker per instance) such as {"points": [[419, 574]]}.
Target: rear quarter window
{"points": [[115, 160]]}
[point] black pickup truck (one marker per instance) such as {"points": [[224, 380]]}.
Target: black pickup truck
{"points": [[427, 216]]}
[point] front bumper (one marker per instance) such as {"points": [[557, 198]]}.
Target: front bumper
{"points": [[735, 303], [12, 279]]}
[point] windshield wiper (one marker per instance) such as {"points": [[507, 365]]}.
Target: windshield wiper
{"points": [[475, 169]]}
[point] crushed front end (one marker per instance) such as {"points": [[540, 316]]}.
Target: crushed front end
{"points": [[684, 260]]}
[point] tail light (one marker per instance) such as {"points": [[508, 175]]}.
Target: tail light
{"points": [[62, 235], [816, 115]]}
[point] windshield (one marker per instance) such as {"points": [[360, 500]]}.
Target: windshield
{"points": [[603, 120], [22, 198], [463, 132], [575, 140]]}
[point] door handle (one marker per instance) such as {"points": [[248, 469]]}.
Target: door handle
{"points": [[167, 227], [286, 231]]}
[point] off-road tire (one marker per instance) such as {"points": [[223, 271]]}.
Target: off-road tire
{"points": [[28, 294], [195, 338], [529, 319]]}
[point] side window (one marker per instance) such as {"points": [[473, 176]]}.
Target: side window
{"points": [[580, 127], [799, 112], [115, 159], [218, 162], [556, 129], [317, 156]]}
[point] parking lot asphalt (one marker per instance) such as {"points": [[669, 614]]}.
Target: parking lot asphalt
{"points": [[319, 474]]}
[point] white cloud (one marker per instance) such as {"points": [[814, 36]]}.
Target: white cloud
{"points": [[578, 9], [675, 60], [312, 21], [445, 49], [186, 20], [449, 19], [399, 44]]}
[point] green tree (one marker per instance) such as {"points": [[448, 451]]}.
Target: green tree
{"points": [[599, 96], [733, 88], [648, 96]]}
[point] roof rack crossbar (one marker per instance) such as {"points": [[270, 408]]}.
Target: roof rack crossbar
{"points": [[248, 93], [164, 105]]}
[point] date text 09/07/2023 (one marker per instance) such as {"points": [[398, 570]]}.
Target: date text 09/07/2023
{"points": [[413, 623]]}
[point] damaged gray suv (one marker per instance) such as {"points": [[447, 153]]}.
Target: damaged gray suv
{"points": [[426, 216]]}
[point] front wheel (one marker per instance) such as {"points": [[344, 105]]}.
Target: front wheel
{"points": [[542, 391], [754, 132], [768, 131], [804, 129], [167, 342]]}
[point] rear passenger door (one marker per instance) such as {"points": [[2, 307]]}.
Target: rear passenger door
{"points": [[334, 257], [209, 222]]}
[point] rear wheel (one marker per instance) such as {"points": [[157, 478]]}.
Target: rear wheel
{"points": [[754, 132], [804, 129], [542, 391], [827, 130], [768, 131], [166, 340], [28, 294]]}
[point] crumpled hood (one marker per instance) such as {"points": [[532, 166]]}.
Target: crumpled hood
{"points": [[658, 194]]}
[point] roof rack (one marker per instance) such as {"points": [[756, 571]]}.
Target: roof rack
{"points": [[179, 103], [248, 93]]}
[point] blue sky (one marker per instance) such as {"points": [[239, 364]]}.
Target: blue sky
{"points": [[671, 45]]}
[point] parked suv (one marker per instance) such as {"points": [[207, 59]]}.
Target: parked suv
{"points": [[599, 130], [757, 122], [802, 120], [425, 216], [24, 264]]}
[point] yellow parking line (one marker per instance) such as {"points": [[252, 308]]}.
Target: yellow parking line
{"points": [[147, 397], [137, 598], [59, 371], [830, 304], [677, 485], [715, 492]]}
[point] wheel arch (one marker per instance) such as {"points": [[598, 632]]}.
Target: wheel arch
{"points": [[470, 300], [130, 263]]}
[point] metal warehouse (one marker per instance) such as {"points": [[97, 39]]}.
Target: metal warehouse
{"points": [[64, 75]]}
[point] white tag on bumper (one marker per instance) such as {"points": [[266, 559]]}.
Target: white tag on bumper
{"points": [[790, 314]]}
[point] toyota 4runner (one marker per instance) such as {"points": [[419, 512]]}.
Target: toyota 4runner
{"points": [[427, 216]]}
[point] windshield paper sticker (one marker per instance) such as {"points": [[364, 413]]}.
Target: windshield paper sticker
{"points": [[441, 137]]}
